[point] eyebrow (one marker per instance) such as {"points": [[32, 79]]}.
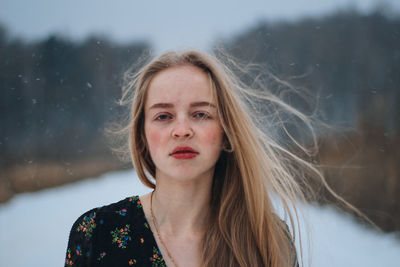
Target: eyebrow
{"points": [[194, 104], [202, 104], [161, 105]]}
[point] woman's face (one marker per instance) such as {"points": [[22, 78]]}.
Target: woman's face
{"points": [[182, 128]]}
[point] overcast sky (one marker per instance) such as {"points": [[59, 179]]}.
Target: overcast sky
{"points": [[167, 24]]}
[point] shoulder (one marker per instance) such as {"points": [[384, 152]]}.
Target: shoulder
{"points": [[110, 234], [115, 213], [128, 206]]}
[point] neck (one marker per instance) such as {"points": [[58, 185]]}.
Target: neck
{"points": [[182, 208]]}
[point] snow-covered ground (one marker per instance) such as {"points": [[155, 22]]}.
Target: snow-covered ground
{"points": [[34, 227]]}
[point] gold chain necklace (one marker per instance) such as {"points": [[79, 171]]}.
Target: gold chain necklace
{"points": [[158, 233]]}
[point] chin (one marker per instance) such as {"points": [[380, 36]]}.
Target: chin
{"points": [[187, 176]]}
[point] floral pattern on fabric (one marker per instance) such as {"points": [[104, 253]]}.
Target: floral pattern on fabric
{"points": [[136, 201], [78, 250], [113, 235], [68, 261], [121, 236], [101, 256], [157, 260], [121, 212], [87, 225]]}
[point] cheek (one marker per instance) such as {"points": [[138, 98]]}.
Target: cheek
{"points": [[154, 139], [214, 137]]}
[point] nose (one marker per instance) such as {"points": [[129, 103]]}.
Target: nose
{"points": [[182, 129]]}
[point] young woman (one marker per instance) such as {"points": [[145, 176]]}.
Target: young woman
{"points": [[213, 172]]}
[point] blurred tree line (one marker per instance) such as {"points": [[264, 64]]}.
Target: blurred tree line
{"points": [[351, 61], [56, 96]]}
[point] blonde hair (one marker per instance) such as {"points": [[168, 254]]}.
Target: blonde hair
{"points": [[243, 228]]}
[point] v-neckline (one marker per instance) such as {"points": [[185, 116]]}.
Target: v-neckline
{"points": [[141, 208]]}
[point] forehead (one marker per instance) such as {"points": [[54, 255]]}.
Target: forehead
{"points": [[178, 85]]}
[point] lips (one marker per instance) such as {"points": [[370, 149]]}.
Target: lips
{"points": [[184, 152]]}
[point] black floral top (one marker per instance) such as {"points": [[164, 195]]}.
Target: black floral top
{"points": [[113, 235]]}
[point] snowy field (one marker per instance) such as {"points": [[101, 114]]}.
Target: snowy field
{"points": [[34, 227]]}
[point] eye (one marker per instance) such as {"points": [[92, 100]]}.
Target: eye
{"points": [[201, 115], [163, 117]]}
